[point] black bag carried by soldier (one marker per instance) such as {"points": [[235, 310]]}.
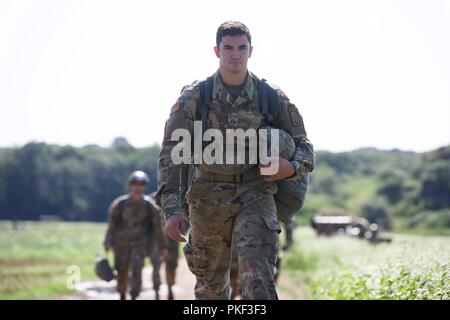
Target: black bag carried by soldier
{"points": [[103, 270]]}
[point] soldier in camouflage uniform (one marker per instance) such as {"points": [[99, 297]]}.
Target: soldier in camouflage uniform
{"points": [[153, 254], [171, 258], [133, 218], [289, 240], [230, 201], [171, 265], [171, 262]]}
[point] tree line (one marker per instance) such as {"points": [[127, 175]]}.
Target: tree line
{"points": [[72, 183], [401, 188]]}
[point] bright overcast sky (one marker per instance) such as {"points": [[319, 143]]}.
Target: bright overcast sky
{"points": [[363, 73]]}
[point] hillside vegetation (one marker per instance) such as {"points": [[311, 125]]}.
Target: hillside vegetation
{"points": [[399, 190]]}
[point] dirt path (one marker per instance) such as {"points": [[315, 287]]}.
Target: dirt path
{"points": [[183, 290]]}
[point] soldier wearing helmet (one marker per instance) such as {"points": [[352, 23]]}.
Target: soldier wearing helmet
{"points": [[133, 219], [171, 260]]}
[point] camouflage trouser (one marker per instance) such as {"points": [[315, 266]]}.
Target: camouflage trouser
{"points": [[171, 262], [153, 254], [220, 212], [234, 267], [129, 255]]}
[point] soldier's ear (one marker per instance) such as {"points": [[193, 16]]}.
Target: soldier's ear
{"points": [[250, 51], [217, 52]]}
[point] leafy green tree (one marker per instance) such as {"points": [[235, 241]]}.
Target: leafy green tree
{"points": [[435, 191], [392, 186], [376, 210]]}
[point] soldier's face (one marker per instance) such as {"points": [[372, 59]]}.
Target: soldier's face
{"points": [[233, 53], [137, 187]]}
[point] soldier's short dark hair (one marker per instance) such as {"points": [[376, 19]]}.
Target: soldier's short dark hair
{"points": [[232, 28]]}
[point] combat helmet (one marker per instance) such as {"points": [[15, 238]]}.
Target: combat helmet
{"points": [[138, 176], [286, 147], [103, 270], [291, 194]]}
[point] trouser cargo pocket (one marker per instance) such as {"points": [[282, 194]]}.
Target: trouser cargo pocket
{"points": [[196, 259], [272, 223]]}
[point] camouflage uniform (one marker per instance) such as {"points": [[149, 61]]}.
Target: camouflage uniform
{"points": [[171, 262], [235, 283], [130, 225], [229, 201], [153, 254]]}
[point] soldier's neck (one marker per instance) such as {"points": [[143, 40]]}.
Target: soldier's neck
{"points": [[233, 79], [136, 196]]}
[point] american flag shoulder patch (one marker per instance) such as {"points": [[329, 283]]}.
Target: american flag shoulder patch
{"points": [[175, 108]]}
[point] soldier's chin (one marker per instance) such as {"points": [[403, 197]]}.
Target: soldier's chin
{"points": [[236, 69]]}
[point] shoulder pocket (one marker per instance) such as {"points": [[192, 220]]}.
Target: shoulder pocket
{"points": [[296, 118]]}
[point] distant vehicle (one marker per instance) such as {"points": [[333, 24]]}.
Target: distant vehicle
{"points": [[49, 218], [328, 225]]}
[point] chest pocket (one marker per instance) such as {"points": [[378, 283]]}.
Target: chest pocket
{"points": [[250, 119], [222, 117], [134, 216]]}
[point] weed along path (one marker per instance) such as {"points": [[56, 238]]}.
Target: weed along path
{"points": [[183, 289]]}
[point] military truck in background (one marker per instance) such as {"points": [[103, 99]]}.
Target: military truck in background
{"points": [[350, 225]]}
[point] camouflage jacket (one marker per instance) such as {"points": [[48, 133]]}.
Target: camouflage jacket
{"points": [[245, 113], [131, 220]]}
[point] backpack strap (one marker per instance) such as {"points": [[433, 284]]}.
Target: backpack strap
{"points": [[268, 101], [206, 90], [263, 98], [201, 112]]}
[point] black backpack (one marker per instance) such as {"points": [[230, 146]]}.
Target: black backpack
{"points": [[291, 193]]}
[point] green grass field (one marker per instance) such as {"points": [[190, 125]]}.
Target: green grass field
{"points": [[34, 261], [411, 267]]}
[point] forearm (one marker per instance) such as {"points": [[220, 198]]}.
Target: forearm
{"points": [[169, 183], [113, 214], [304, 158], [156, 223], [159, 235], [109, 233]]}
